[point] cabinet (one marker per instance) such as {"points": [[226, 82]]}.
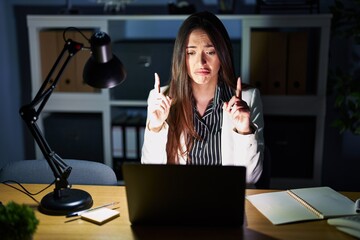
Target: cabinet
{"points": [[147, 29]]}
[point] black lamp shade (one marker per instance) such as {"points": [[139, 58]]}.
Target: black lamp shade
{"points": [[103, 69], [104, 75]]}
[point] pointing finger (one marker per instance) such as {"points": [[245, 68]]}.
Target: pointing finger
{"points": [[157, 83], [238, 88]]}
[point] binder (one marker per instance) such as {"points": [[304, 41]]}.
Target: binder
{"points": [[258, 60], [277, 54], [128, 137], [297, 63], [268, 62], [131, 150], [117, 136], [52, 43], [49, 51], [80, 59], [117, 142]]}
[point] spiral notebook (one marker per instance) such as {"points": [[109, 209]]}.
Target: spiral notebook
{"points": [[302, 204]]}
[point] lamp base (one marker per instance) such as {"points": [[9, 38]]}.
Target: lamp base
{"points": [[68, 201]]}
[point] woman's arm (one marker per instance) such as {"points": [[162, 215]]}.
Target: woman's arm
{"points": [[246, 150], [154, 146], [255, 149]]}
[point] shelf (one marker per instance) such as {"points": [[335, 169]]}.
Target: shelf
{"points": [[294, 105], [126, 28]]}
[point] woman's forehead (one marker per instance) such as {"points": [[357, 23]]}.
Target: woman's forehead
{"points": [[199, 37]]}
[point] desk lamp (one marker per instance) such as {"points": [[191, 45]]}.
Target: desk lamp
{"points": [[102, 70]]}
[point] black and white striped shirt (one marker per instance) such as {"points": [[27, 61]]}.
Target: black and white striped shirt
{"points": [[207, 149]]}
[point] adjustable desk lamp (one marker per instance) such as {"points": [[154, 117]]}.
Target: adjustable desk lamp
{"points": [[102, 70]]}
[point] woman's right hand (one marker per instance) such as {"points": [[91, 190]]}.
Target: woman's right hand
{"points": [[158, 108]]}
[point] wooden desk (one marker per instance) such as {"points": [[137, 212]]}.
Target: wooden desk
{"points": [[256, 225]]}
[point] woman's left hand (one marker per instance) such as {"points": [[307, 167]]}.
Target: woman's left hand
{"points": [[239, 111]]}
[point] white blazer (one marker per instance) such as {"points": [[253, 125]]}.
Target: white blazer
{"points": [[236, 149]]}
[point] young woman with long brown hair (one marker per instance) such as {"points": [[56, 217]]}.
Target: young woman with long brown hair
{"points": [[205, 115]]}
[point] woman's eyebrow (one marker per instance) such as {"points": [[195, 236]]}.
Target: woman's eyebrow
{"points": [[209, 45]]}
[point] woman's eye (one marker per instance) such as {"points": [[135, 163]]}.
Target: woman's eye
{"points": [[190, 53], [211, 52]]}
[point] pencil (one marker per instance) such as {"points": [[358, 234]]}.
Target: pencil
{"points": [[73, 214]]}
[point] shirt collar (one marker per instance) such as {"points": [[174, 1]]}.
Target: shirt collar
{"points": [[225, 92]]}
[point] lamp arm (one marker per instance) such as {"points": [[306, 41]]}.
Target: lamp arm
{"points": [[30, 115]]}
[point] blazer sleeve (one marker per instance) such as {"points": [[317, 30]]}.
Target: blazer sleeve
{"points": [[246, 150], [254, 159], [154, 145]]}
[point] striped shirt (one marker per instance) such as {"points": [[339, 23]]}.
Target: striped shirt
{"points": [[207, 149]]}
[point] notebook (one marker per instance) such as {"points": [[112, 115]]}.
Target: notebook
{"points": [[185, 195], [302, 204], [100, 216]]}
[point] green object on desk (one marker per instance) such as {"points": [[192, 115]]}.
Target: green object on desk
{"points": [[17, 221]]}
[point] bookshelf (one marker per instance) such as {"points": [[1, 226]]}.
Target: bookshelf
{"points": [[108, 105]]}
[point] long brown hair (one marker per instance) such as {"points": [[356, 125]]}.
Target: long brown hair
{"points": [[180, 118]]}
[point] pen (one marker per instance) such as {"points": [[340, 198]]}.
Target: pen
{"points": [[357, 206], [73, 214]]}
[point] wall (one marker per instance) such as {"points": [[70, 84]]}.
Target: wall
{"points": [[341, 151], [11, 139]]}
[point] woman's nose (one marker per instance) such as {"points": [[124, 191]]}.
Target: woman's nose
{"points": [[203, 58]]}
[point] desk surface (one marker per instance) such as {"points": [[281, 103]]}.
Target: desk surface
{"points": [[256, 225]]}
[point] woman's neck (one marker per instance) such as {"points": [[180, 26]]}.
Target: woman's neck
{"points": [[203, 94]]}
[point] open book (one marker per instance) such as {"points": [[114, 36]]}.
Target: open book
{"points": [[302, 204]]}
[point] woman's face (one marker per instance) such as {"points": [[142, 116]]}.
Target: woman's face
{"points": [[202, 61]]}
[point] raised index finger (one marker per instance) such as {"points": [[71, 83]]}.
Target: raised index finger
{"points": [[157, 83], [238, 88]]}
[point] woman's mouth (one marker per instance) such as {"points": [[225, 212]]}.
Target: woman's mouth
{"points": [[202, 72]]}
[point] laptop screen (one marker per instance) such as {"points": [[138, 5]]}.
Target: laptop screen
{"points": [[185, 195]]}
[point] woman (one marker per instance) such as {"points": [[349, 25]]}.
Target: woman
{"points": [[205, 116]]}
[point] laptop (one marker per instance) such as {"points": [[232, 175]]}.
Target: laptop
{"points": [[181, 195]]}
